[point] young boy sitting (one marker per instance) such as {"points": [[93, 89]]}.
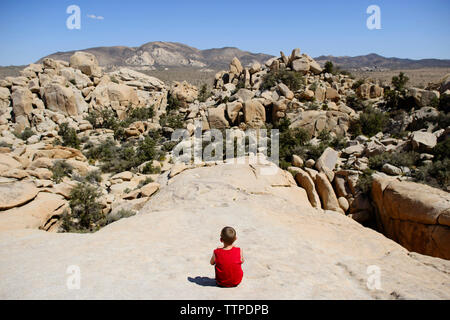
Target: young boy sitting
{"points": [[228, 260]]}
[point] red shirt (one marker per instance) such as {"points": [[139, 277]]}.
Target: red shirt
{"points": [[228, 267]]}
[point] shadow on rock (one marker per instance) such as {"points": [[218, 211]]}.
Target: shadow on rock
{"points": [[203, 281]]}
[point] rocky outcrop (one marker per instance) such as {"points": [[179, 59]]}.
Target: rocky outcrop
{"points": [[86, 62], [414, 215], [15, 194], [337, 249]]}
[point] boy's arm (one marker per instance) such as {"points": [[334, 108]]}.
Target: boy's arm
{"points": [[242, 256], [213, 259]]}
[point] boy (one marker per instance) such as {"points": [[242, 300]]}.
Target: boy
{"points": [[228, 260]]}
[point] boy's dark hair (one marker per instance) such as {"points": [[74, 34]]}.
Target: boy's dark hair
{"points": [[228, 235]]}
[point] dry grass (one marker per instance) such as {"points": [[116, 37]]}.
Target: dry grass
{"points": [[417, 77]]}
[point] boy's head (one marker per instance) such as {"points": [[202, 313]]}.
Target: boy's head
{"points": [[228, 235]]}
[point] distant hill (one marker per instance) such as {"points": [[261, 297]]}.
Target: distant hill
{"points": [[155, 55], [176, 61], [375, 61]]}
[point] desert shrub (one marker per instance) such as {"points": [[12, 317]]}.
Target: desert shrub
{"points": [[328, 67], [85, 214], [442, 120], [69, 136], [150, 169], [122, 213], [396, 97], [395, 100], [313, 106], [146, 150], [364, 183], [370, 122], [25, 134], [444, 103], [398, 159], [94, 176], [124, 157], [144, 182], [399, 82], [172, 103], [355, 103], [434, 102], [140, 114], [357, 84], [290, 142], [174, 121], [60, 170], [105, 149], [292, 79], [108, 119], [436, 174], [442, 150], [4, 144]]}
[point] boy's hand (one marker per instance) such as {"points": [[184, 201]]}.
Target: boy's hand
{"points": [[213, 259]]}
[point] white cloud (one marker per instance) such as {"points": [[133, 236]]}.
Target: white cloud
{"points": [[93, 16]]}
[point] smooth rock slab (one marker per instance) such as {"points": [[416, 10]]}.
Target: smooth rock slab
{"points": [[315, 254], [16, 194]]}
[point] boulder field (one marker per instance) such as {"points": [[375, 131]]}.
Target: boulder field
{"points": [[292, 250]]}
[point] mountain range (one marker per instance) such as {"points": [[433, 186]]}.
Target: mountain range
{"points": [[154, 55], [158, 54]]}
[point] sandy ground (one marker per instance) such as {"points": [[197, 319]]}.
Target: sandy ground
{"points": [[417, 77], [292, 251]]}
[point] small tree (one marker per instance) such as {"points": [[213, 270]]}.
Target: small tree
{"points": [[60, 170], [399, 82], [204, 93], [86, 214], [328, 67], [69, 136]]}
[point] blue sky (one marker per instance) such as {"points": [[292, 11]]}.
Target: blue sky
{"points": [[410, 29]]}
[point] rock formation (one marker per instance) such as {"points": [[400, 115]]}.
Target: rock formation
{"points": [[314, 254]]}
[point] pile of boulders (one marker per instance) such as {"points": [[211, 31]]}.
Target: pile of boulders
{"points": [[238, 101], [53, 92]]}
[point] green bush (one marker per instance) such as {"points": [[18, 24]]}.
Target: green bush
{"points": [[290, 141], [436, 174], [144, 182], [358, 84], [397, 98], [69, 136], [85, 214], [292, 79], [124, 157], [171, 120], [370, 122], [150, 169], [399, 82], [94, 176], [122, 213], [328, 67], [442, 150], [108, 119], [398, 159], [173, 103], [444, 103], [365, 181], [60, 170], [204, 93], [355, 103], [25, 134]]}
